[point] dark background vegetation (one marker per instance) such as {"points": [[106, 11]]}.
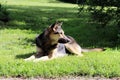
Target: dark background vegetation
{"points": [[4, 14]]}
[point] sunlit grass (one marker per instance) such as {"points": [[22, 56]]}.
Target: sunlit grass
{"points": [[91, 64]]}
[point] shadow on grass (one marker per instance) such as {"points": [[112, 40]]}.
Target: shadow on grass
{"points": [[37, 17], [24, 56]]}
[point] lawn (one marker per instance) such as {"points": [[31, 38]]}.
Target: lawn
{"points": [[30, 17]]}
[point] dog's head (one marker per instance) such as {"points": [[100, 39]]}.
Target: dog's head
{"points": [[57, 34]]}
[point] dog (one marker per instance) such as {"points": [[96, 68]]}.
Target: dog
{"points": [[53, 43]]}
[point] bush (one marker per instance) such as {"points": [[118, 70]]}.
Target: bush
{"points": [[103, 12], [4, 14]]}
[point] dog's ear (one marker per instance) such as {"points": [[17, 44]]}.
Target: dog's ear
{"points": [[52, 25], [59, 23], [56, 25]]}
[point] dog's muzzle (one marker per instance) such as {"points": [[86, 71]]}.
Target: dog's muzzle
{"points": [[63, 40]]}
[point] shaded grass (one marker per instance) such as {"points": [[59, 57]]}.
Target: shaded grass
{"points": [[30, 18]]}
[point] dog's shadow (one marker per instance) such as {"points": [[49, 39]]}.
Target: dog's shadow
{"points": [[24, 56]]}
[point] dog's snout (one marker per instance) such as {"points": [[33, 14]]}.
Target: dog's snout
{"points": [[67, 40], [63, 40]]}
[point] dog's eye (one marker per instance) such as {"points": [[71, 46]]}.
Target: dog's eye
{"points": [[56, 33]]}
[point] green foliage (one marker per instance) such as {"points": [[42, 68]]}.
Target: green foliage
{"points": [[104, 12], [103, 2]]}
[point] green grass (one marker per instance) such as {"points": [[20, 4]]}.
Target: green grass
{"points": [[30, 17]]}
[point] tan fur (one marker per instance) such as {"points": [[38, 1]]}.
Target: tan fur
{"points": [[97, 49], [74, 48], [94, 49], [54, 38]]}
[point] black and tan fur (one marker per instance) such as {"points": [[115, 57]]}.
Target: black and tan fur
{"points": [[53, 43]]}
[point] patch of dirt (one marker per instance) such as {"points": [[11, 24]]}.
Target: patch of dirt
{"points": [[63, 78]]}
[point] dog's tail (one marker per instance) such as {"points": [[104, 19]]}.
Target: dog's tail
{"points": [[93, 50]]}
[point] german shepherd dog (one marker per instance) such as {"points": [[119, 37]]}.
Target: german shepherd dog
{"points": [[53, 43]]}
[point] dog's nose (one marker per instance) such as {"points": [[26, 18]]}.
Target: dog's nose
{"points": [[62, 40]]}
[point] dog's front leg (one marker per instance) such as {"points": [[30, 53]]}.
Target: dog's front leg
{"points": [[46, 58]]}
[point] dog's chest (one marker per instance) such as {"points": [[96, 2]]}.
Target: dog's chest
{"points": [[60, 51]]}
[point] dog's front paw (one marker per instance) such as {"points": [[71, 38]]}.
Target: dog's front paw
{"points": [[36, 60], [80, 55], [30, 58], [27, 59]]}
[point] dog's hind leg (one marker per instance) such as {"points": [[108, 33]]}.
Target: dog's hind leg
{"points": [[74, 48]]}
